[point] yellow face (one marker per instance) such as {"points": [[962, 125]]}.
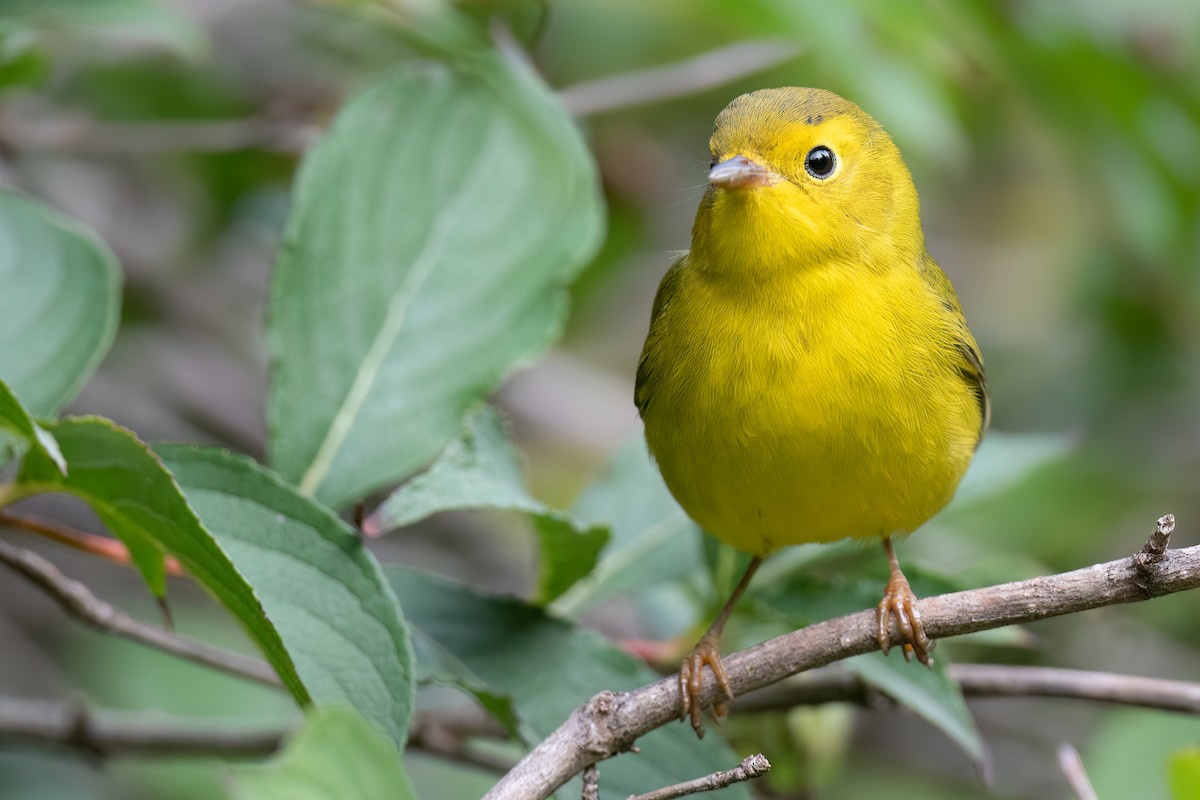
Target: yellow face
{"points": [[802, 174]]}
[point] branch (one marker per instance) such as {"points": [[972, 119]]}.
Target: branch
{"points": [[107, 734], [79, 602], [990, 680], [107, 548], [80, 134], [612, 721], [705, 71], [1072, 767], [751, 767]]}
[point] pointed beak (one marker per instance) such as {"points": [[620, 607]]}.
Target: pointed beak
{"points": [[740, 173]]}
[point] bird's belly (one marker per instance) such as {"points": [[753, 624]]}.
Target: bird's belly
{"points": [[790, 444]]}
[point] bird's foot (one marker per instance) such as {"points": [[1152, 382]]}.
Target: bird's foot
{"points": [[900, 602], [691, 683]]}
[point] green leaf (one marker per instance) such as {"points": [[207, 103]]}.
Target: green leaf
{"points": [[15, 419], [549, 667], [433, 231], [322, 590], [479, 470], [1184, 774], [59, 301], [137, 499], [653, 540], [337, 755], [1126, 752], [931, 693], [1003, 459], [148, 17]]}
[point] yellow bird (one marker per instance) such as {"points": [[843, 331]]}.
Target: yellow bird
{"points": [[808, 375]]}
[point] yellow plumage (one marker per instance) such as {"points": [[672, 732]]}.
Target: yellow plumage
{"points": [[808, 375]]}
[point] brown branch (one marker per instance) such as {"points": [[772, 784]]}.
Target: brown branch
{"points": [[612, 721], [106, 734], [988, 680], [76, 133], [1072, 767], [102, 546], [705, 71], [79, 602], [751, 767], [82, 135], [111, 734], [591, 783]]}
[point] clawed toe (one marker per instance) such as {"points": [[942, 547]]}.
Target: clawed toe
{"points": [[900, 603], [691, 685]]}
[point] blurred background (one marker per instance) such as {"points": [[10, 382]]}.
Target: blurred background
{"points": [[1056, 149]]}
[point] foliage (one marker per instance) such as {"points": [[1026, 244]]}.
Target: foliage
{"points": [[427, 251]]}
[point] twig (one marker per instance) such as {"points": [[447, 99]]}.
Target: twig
{"points": [[705, 71], [989, 680], [591, 784], [102, 546], [79, 134], [1072, 766], [751, 767], [611, 721], [1152, 551], [108, 734], [113, 734], [68, 132], [79, 602]]}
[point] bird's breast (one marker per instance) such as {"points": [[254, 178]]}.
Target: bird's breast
{"points": [[812, 410]]}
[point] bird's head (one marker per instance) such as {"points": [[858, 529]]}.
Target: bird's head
{"points": [[803, 176]]}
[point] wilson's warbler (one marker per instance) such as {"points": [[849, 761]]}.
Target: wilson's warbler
{"points": [[808, 375]]}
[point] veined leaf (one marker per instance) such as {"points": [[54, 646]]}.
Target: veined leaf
{"points": [[479, 470], [59, 301], [337, 755], [433, 231], [929, 692], [322, 590], [653, 541], [137, 499], [16, 420], [549, 667]]}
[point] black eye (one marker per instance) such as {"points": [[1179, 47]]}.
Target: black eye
{"points": [[713, 163], [820, 162]]}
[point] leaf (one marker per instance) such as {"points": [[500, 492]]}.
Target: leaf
{"points": [[15, 419], [931, 693], [1184, 774], [479, 470], [322, 590], [653, 540], [139, 501], [549, 667], [336, 755], [59, 301], [1126, 752], [147, 17], [433, 231], [1004, 459]]}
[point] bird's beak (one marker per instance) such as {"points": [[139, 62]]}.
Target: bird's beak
{"points": [[740, 173]]}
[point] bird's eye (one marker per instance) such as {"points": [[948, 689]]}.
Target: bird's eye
{"points": [[820, 162], [712, 163]]}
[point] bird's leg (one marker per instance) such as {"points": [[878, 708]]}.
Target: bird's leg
{"points": [[899, 600], [708, 651]]}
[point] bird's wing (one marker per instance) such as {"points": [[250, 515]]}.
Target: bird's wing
{"points": [[971, 365], [666, 290]]}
